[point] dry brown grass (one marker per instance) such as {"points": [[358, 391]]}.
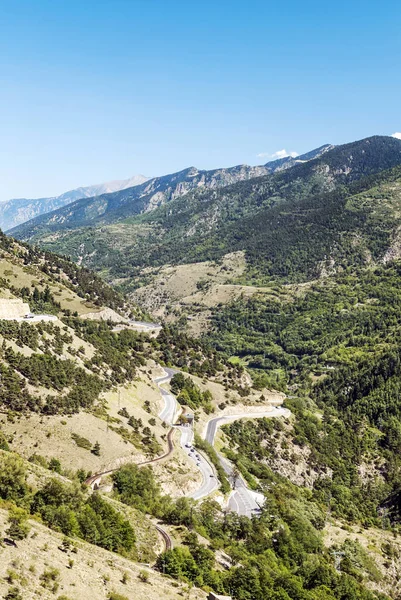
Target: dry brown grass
{"points": [[50, 436], [22, 276], [192, 290], [94, 573], [180, 287]]}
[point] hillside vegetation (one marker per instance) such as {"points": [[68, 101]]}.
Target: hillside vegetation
{"points": [[96, 206], [291, 225], [62, 382], [319, 243]]}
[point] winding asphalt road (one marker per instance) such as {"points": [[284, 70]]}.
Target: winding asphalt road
{"points": [[146, 326], [214, 424], [170, 403], [210, 482], [168, 414], [242, 500]]}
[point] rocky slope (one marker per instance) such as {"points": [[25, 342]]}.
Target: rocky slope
{"points": [[109, 208], [291, 224], [17, 211]]}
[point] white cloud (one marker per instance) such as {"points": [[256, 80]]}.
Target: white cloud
{"points": [[397, 135], [279, 154]]}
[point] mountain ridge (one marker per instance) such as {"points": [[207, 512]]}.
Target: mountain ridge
{"points": [[15, 211], [155, 192], [259, 215], [321, 466]]}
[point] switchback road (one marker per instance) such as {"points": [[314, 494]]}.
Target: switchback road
{"points": [[242, 500], [168, 413], [216, 422]]}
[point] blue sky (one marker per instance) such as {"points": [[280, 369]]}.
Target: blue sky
{"points": [[99, 90]]}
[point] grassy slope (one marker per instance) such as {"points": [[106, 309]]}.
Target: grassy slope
{"points": [[95, 572]]}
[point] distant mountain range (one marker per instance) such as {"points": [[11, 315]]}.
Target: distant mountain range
{"points": [[17, 211], [293, 219], [84, 206]]}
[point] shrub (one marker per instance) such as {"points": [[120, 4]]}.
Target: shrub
{"points": [[13, 594], [19, 527], [125, 578], [96, 449], [81, 442], [49, 579], [143, 576], [116, 596], [55, 465]]}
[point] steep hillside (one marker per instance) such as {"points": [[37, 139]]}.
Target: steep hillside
{"points": [[295, 241], [291, 225], [335, 346], [332, 345], [42, 567], [17, 211], [109, 208], [78, 396]]}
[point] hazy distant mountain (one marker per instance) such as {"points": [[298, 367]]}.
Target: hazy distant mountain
{"points": [[17, 211]]}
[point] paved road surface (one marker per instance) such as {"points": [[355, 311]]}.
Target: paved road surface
{"points": [[209, 481], [168, 413], [140, 326], [35, 318], [243, 501], [214, 424], [146, 326]]}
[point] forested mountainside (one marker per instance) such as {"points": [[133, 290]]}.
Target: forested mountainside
{"points": [[335, 347], [65, 372], [109, 208], [337, 210], [18, 210], [56, 374], [80, 395]]}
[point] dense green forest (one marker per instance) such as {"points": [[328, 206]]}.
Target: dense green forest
{"points": [[278, 555], [335, 348], [64, 507]]}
